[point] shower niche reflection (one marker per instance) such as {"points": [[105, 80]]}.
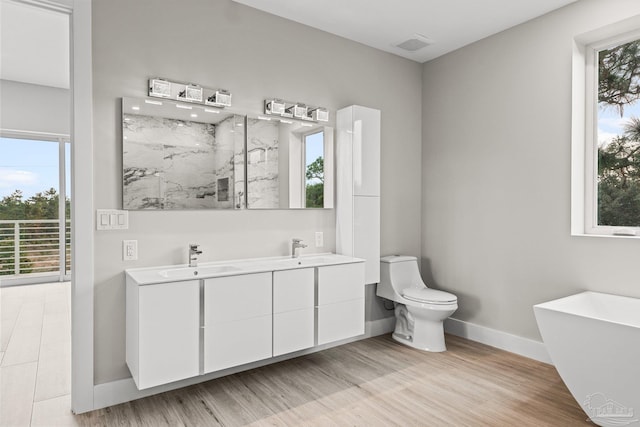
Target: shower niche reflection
{"points": [[178, 156], [187, 156]]}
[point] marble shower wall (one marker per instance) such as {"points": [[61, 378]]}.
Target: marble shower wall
{"points": [[176, 164], [262, 163]]}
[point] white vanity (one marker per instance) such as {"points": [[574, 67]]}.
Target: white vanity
{"points": [[188, 321]]}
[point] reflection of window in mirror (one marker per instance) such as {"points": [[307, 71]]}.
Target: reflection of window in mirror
{"points": [[314, 169]]}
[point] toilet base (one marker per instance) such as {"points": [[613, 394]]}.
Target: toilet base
{"points": [[422, 327], [430, 338]]}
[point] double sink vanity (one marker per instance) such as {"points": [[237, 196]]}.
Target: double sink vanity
{"points": [[184, 321]]}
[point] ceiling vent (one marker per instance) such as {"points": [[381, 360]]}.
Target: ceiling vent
{"points": [[414, 43]]}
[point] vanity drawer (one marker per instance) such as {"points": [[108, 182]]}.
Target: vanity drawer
{"points": [[337, 283], [236, 343], [293, 331], [237, 320], [293, 289], [237, 297], [339, 321]]}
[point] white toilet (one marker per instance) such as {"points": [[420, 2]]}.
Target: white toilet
{"points": [[420, 311]]}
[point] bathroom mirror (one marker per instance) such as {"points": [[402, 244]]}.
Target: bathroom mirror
{"points": [[181, 156], [289, 164]]}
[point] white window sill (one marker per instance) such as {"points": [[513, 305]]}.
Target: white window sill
{"points": [[614, 236]]}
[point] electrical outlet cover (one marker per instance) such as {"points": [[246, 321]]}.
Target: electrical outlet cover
{"points": [[129, 250]]}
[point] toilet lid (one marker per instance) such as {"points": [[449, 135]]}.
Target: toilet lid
{"points": [[432, 296]]}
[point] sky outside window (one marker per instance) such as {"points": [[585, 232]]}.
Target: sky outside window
{"points": [[29, 166], [610, 124]]}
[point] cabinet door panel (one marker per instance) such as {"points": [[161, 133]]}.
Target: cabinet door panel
{"points": [[339, 321], [293, 331], [237, 297], [338, 283], [293, 289], [366, 151], [366, 225], [236, 343], [169, 325]]}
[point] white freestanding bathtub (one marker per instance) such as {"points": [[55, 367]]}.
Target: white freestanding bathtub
{"points": [[594, 342]]}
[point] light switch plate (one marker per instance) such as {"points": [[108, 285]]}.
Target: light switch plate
{"points": [[112, 219], [129, 250], [319, 239]]}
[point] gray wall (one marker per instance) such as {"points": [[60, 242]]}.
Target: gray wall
{"points": [[496, 174], [255, 55], [34, 108]]}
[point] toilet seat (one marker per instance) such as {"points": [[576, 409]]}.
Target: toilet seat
{"points": [[429, 296]]}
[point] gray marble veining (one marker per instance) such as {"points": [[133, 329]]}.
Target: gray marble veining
{"points": [[177, 164]]}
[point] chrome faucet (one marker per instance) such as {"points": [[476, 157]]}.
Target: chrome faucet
{"points": [[295, 244], [193, 255]]}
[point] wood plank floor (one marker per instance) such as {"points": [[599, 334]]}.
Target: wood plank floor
{"points": [[374, 382]]}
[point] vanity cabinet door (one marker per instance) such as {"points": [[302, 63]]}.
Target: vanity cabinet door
{"points": [[237, 320], [163, 324], [340, 302], [293, 310]]}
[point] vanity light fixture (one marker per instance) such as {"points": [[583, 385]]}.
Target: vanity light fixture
{"points": [[264, 118], [194, 115], [159, 88], [295, 110], [274, 106], [149, 101], [135, 108], [319, 114], [221, 98], [209, 110], [288, 122], [189, 92], [184, 107], [299, 111]]}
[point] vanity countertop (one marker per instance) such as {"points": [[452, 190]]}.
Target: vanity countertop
{"points": [[175, 273]]}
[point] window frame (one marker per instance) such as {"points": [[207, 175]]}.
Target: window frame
{"points": [[584, 188]]}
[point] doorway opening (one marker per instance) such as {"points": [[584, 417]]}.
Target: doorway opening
{"points": [[35, 208]]}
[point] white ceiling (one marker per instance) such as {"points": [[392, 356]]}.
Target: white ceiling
{"points": [[382, 24], [34, 42], [34, 45]]}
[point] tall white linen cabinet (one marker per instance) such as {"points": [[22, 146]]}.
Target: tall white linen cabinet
{"points": [[358, 187]]}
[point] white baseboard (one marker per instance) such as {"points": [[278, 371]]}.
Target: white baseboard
{"points": [[125, 390], [380, 327], [502, 340]]}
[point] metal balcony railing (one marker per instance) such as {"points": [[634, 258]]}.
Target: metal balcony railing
{"points": [[35, 247]]}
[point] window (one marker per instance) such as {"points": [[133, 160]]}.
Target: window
{"points": [[618, 136], [606, 134], [314, 169]]}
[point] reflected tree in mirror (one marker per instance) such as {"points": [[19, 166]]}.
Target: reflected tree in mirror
{"points": [[314, 170]]}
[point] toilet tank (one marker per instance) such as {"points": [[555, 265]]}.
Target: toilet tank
{"points": [[398, 272]]}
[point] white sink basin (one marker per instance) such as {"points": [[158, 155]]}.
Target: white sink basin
{"points": [[150, 275], [188, 272], [303, 261]]}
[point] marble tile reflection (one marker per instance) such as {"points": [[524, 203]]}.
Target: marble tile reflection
{"points": [[262, 161], [175, 164]]}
